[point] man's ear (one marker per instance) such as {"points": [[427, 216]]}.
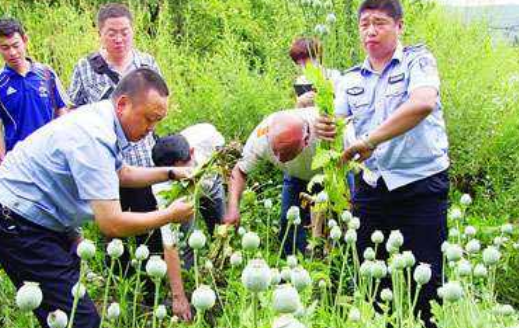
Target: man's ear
{"points": [[25, 39], [400, 24], [191, 152], [122, 103]]}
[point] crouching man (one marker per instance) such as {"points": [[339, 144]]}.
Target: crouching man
{"points": [[69, 172]]}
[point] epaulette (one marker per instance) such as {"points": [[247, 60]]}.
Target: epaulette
{"points": [[352, 69], [415, 48]]}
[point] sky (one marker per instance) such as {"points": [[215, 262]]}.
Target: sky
{"points": [[479, 2]]}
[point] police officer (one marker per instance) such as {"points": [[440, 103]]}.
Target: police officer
{"points": [[68, 173], [394, 100], [30, 93]]}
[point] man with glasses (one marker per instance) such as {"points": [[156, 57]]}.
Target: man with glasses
{"points": [[94, 79]]}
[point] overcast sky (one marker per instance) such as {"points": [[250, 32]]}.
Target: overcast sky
{"points": [[479, 2]]}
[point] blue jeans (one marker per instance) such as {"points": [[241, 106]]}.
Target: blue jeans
{"points": [[292, 188], [29, 252]]}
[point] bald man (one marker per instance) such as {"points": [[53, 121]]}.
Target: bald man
{"points": [[287, 140]]}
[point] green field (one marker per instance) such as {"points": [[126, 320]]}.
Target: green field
{"points": [[227, 63]]}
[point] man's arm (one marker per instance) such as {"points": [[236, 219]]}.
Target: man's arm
{"points": [[180, 303], [113, 222], [236, 187], [420, 104], [137, 177]]}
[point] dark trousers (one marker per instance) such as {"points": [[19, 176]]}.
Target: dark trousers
{"points": [[140, 200], [419, 211], [29, 252]]}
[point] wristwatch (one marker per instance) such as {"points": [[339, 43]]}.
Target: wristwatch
{"points": [[370, 144], [171, 174]]}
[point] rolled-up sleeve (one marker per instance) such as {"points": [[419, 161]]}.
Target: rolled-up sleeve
{"points": [[423, 72], [341, 102], [252, 152]]}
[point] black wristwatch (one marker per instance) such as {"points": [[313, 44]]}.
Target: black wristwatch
{"points": [[171, 174]]}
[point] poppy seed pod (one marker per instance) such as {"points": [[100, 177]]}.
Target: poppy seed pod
{"points": [[465, 200], [156, 267], [300, 278], [78, 290], [57, 319], [480, 271], [335, 233], [286, 299], [454, 253], [115, 248], [197, 240], [250, 241], [113, 312], [350, 236], [161, 312], [346, 216], [354, 223], [354, 315], [473, 246], [386, 295], [236, 259], [293, 213], [256, 276], [29, 296], [377, 237], [203, 298], [142, 252], [275, 276], [86, 249], [491, 255], [451, 291], [422, 274], [292, 261], [287, 321]]}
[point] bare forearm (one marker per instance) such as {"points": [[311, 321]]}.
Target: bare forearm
{"points": [[138, 177], [133, 223], [174, 271], [236, 187], [405, 118]]}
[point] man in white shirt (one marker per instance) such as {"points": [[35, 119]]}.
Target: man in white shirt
{"points": [[287, 140]]}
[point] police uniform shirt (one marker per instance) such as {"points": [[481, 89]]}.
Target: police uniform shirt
{"points": [[371, 97]]}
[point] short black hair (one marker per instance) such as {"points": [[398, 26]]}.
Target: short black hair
{"points": [[113, 10], [140, 81], [10, 26], [170, 150], [391, 7]]}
